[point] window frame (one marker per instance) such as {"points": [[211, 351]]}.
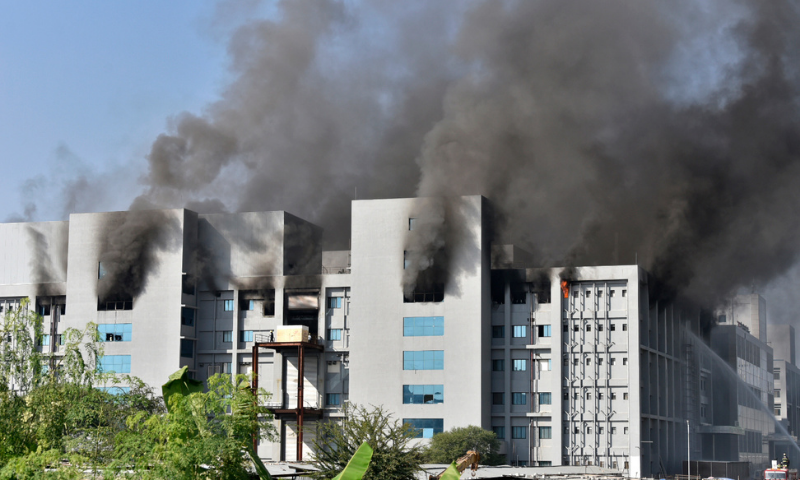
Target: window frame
{"points": [[519, 365], [519, 433], [519, 331], [335, 334]]}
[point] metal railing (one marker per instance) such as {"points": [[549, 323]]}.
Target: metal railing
{"points": [[269, 337], [335, 270]]}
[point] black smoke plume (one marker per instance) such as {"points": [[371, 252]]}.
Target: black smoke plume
{"points": [[441, 246], [129, 253], [603, 132]]}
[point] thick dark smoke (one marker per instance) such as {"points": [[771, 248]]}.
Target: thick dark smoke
{"points": [[570, 123], [310, 119], [129, 254], [602, 132], [440, 246]]}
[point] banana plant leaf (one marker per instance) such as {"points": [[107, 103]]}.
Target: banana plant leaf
{"points": [[261, 470], [179, 382], [357, 465], [451, 473]]}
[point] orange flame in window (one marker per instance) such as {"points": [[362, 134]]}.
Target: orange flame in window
{"points": [[565, 288]]}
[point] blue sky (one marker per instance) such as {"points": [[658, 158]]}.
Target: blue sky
{"points": [[89, 85]]}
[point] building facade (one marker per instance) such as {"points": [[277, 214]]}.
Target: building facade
{"points": [[423, 316]]}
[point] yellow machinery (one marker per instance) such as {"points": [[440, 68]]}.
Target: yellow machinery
{"points": [[471, 460]]}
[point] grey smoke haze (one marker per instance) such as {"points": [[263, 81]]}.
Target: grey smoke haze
{"points": [[663, 131], [44, 271], [131, 242]]}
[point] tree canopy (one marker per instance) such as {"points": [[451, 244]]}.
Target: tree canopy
{"points": [[448, 446], [61, 416]]}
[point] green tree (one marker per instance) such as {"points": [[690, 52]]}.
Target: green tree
{"points": [[448, 446], [394, 456], [49, 408], [201, 435], [20, 359]]}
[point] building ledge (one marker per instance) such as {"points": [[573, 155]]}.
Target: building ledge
{"points": [[725, 429]]}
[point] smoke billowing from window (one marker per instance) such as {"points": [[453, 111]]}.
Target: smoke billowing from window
{"points": [[601, 132], [130, 250]]}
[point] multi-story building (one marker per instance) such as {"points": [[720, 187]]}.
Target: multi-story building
{"points": [[424, 316], [787, 389], [743, 397]]}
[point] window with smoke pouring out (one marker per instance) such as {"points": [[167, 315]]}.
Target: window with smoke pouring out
{"points": [[119, 302], [434, 293]]}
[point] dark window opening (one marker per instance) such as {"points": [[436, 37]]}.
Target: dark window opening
{"points": [[187, 316], [264, 300], [498, 292], [269, 303], [113, 337], [302, 308], [187, 285], [187, 348], [542, 291], [426, 294], [118, 303], [43, 310], [519, 293]]}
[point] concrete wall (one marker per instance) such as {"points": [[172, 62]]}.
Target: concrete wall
{"points": [[380, 236]]}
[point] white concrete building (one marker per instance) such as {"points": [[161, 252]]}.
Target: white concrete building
{"points": [[422, 316]]}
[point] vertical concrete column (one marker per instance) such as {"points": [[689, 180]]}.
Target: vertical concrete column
{"points": [[236, 330]]}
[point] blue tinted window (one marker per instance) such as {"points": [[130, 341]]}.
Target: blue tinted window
{"points": [[423, 326], [246, 336], [115, 332], [335, 302], [545, 398], [115, 364], [519, 398], [333, 399], [545, 432], [519, 432], [519, 365], [334, 334], [426, 427], [423, 360], [500, 432], [45, 340], [423, 394], [545, 331], [498, 365], [228, 305], [520, 331]]}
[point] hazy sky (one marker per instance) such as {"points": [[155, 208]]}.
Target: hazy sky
{"points": [[89, 85]]}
